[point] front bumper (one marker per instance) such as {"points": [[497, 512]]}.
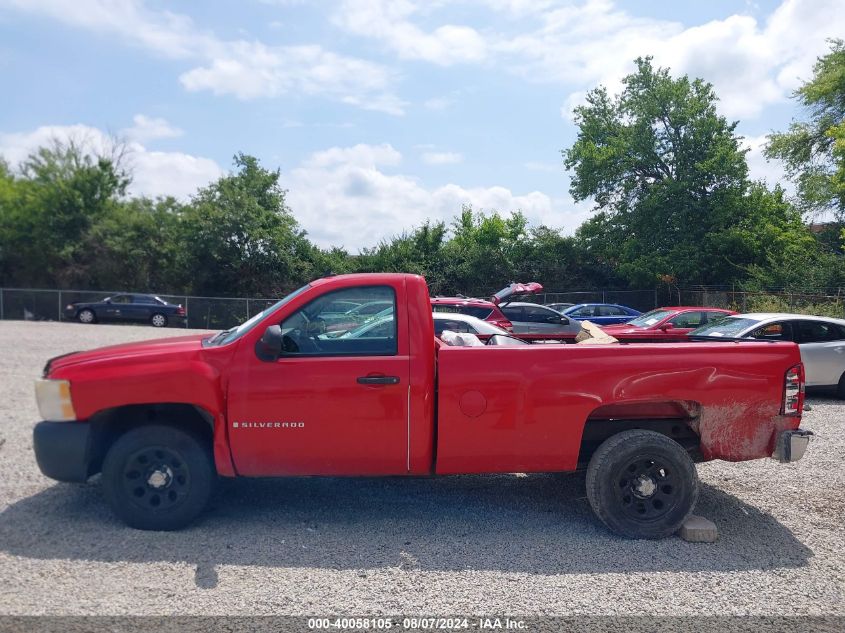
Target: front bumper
{"points": [[791, 445], [63, 449]]}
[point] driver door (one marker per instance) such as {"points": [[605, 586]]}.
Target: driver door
{"points": [[335, 402]]}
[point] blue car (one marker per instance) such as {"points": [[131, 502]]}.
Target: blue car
{"points": [[601, 313]]}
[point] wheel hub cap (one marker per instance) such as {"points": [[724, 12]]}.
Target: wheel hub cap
{"points": [[160, 477], [644, 486]]}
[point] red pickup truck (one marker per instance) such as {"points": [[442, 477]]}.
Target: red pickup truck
{"points": [[282, 394]]}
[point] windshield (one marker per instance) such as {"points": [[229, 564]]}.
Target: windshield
{"points": [[227, 336], [729, 326], [650, 318]]}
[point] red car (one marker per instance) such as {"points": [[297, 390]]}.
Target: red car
{"points": [[665, 324], [483, 309]]}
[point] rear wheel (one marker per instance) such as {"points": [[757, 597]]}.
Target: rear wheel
{"points": [[86, 316], [158, 320], [840, 389], [158, 477], [642, 484]]}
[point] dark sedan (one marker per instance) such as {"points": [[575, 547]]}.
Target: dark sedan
{"points": [[127, 307]]}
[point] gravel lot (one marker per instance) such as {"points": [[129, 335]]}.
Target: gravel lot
{"points": [[507, 544]]}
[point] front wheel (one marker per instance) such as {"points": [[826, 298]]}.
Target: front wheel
{"points": [[86, 316], [158, 477], [840, 389], [642, 484], [158, 320]]}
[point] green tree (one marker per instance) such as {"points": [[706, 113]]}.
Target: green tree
{"points": [[136, 246], [241, 238], [62, 191], [665, 171], [813, 151], [417, 251]]}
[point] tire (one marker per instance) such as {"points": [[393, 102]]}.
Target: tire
{"points": [[86, 316], [158, 320], [641, 484], [158, 477], [840, 388]]}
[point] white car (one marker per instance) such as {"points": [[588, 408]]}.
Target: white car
{"points": [[820, 339], [382, 325], [464, 323]]}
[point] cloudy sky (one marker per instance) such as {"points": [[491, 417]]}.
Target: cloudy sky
{"points": [[382, 113]]}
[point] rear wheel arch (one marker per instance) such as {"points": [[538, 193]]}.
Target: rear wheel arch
{"points": [[675, 420]]}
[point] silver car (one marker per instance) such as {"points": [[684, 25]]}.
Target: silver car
{"points": [[820, 339], [532, 318]]}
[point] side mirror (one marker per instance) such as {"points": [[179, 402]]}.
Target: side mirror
{"points": [[106, 300], [667, 326], [269, 347]]}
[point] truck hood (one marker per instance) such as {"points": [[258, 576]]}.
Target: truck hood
{"points": [[516, 289], [157, 347]]}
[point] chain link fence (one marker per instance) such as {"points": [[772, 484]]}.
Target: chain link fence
{"points": [[204, 313], [216, 313]]}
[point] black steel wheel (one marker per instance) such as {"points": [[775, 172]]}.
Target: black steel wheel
{"points": [[158, 477], [642, 484]]}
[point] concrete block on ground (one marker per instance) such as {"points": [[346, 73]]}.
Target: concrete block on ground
{"points": [[697, 529]]}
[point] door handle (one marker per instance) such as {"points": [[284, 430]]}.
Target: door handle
{"points": [[378, 380]]}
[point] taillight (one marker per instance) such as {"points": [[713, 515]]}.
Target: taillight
{"points": [[793, 391], [180, 311], [505, 325]]}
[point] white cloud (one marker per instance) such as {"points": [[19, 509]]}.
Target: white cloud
{"points": [[580, 43], [750, 64], [388, 21], [442, 158], [146, 128], [245, 69], [343, 198], [361, 155], [154, 173]]}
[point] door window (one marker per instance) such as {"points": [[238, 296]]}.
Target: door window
{"points": [[540, 315], [688, 320], [317, 330], [514, 313], [817, 332], [586, 311], [610, 311], [121, 299], [781, 331]]}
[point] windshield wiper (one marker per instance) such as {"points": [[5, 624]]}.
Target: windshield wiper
{"points": [[221, 334]]}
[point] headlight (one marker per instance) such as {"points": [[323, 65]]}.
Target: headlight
{"points": [[54, 401]]}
